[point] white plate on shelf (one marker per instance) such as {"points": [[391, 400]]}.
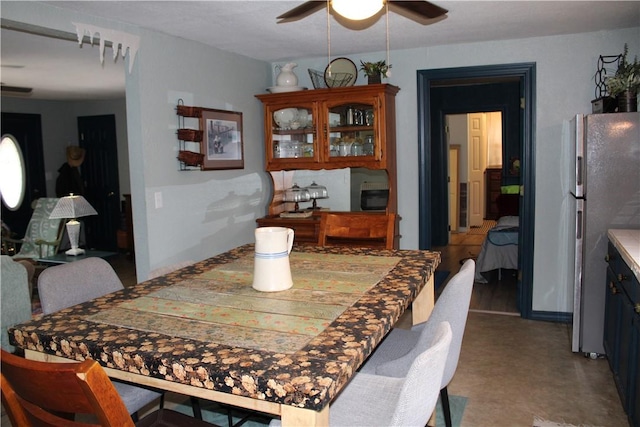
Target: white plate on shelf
{"points": [[282, 89], [285, 116]]}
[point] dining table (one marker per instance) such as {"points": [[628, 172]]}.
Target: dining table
{"points": [[204, 331]]}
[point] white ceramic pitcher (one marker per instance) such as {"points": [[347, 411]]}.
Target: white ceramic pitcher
{"points": [[271, 271], [287, 77]]}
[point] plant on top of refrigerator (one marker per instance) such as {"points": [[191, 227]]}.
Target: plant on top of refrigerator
{"points": [[627, 76]]}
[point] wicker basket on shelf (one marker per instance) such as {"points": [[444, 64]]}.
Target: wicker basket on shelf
{"points": [[336, 80], [190, 158], [190, 135], [187, 111]]}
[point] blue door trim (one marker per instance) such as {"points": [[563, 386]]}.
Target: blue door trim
{"points": [[526, 73]]}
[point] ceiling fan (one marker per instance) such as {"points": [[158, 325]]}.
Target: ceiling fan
{"points": [[421, 9], [14, 89]]}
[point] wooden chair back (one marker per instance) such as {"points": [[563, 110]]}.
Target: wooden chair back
{"points": [[50, 394], [357, 229]]}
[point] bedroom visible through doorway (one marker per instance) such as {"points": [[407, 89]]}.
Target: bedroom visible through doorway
{"points": [[475, 144], [509, 88]]}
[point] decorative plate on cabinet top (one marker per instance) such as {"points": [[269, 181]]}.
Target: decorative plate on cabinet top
{"points": [[341, 65], [282, 89]]}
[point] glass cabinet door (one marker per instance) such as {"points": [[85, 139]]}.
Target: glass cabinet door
{"points": [[352, 131], [293, 134]]}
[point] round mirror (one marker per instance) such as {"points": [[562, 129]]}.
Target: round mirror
{"points": [[12, 173]]}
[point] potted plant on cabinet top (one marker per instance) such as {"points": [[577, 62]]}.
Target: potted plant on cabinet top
{"points": [[375, 70], [625, 83]]}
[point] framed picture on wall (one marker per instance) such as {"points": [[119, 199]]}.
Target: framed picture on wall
{"points": [[222, 139]]}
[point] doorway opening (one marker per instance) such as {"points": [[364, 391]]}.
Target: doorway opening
{"points": [[506, 88], [101, 169], [475, 160], [475, 146]]}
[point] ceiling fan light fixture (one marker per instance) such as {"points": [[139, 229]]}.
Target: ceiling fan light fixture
{"points": [[357, 10]]}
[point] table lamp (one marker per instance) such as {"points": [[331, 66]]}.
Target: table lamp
{"points": [[73, 207]]}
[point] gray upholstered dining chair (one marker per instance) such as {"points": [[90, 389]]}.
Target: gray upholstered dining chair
{"points": [[76, 282], [15, 298], [376, 400], [395, 354]]}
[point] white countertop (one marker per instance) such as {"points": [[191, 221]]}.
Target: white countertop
{"points": [[627, 242]]}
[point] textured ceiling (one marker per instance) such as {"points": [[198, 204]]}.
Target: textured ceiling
{"points": [[56, 69]]}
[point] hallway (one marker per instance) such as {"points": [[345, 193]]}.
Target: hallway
{"points": [[501, 293]]}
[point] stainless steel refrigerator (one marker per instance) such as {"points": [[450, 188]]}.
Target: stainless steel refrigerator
{"points": [[604, 193]]}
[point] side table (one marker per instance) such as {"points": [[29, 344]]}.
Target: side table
{"points": [[62, 258]]}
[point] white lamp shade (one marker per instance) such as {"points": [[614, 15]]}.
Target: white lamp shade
{"points": [[357, 9], [72, 207]]}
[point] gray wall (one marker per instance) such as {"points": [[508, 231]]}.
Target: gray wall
{"points": [[203, 213], [565, 66]]}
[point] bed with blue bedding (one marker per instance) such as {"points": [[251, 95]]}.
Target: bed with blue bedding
{"points": [[500, 248]]}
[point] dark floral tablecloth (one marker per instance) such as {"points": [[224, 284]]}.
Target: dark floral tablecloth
{"points": [[204, 325]]}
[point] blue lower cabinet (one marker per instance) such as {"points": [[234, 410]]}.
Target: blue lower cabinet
{"points": [[622, 332], [626, 351], [634, 410], [612, 305]]}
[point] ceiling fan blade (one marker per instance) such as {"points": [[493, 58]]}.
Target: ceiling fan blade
{"points": [[15, 89], [305, 9], [422, 8]]}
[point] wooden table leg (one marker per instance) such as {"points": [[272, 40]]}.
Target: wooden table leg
{"points": [[432, 420], [295, 417], [422, 306]]}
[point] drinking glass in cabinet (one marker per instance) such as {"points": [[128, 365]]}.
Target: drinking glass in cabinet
{"points": [[368, 117], [368, 146], [356, 148], [344, 148], [291, 149]]}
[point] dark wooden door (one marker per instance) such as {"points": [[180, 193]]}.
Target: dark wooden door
{"points": [[27, 130], [97, 135]]}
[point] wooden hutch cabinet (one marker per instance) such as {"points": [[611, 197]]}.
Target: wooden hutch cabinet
{"points": [[306, 230], [324, 129]]}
